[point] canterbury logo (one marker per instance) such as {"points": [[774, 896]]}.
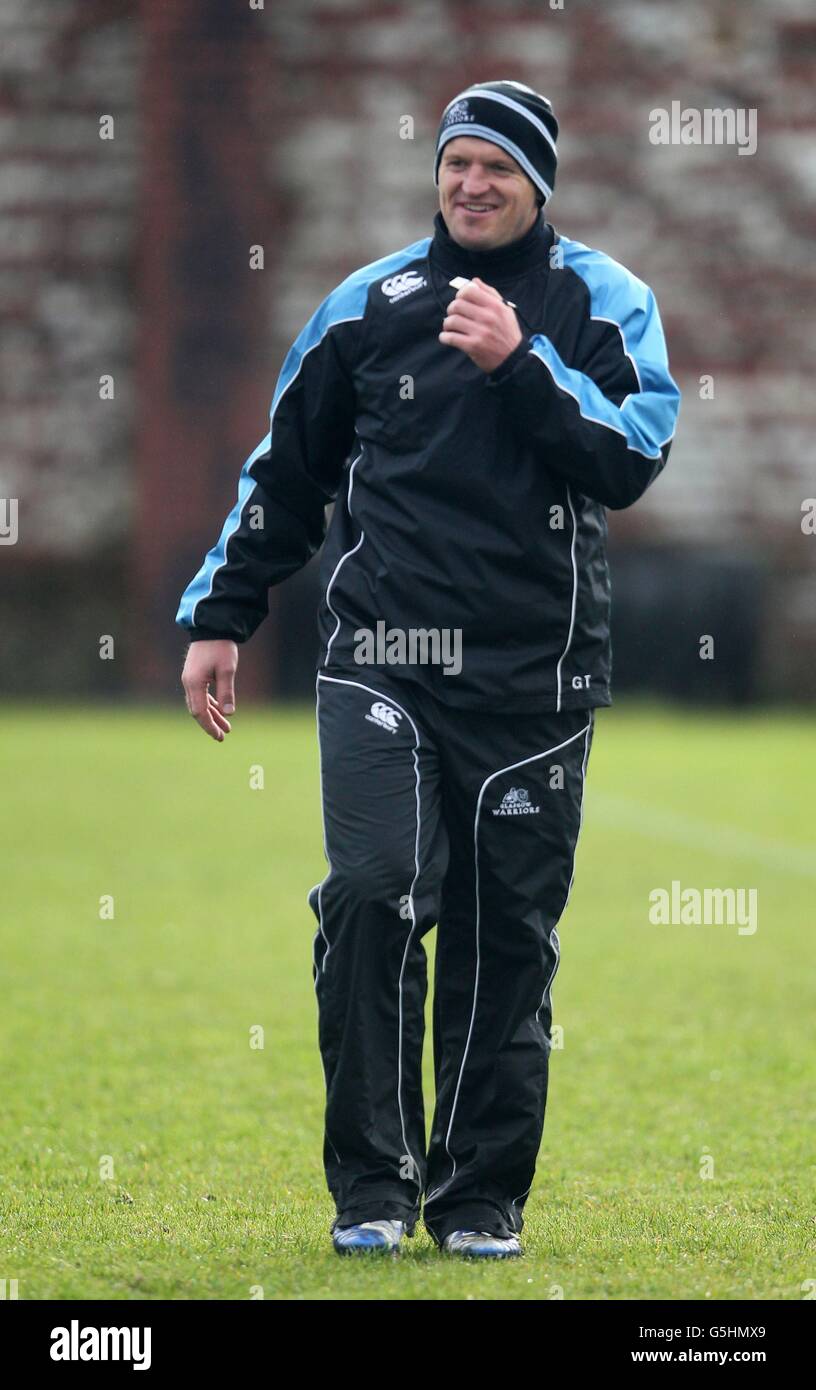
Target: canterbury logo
{"points": [[397, 286], [516, 802], [385, 716]]}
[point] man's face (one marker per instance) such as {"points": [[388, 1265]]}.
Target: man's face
{"points": [[473, 174]]}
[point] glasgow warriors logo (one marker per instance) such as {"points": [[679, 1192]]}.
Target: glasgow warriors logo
{"points": [[458, 112], [516, 802]]}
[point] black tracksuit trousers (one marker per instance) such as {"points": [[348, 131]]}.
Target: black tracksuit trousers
{"points": [[466, 820]]}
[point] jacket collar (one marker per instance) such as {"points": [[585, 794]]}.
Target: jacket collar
{"points": [[503, 263]]}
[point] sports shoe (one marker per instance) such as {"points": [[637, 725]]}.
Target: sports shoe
{"points": [[381, 1236], [481, 1245]]}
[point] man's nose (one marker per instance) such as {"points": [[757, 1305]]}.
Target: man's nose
{"points": [[475, 182]]}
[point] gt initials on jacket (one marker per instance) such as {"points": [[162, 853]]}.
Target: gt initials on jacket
{"points": [[462, 500]]}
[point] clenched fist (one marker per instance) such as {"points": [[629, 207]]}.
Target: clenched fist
{"points": [[479, 323]]}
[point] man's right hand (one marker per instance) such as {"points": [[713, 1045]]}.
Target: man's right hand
{"points": [[211, 663]]}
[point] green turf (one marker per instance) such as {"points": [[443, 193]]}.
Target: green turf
{"points": [[130, 1038]]}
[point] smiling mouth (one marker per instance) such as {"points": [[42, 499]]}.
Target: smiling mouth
{"points": [[476, 209]]}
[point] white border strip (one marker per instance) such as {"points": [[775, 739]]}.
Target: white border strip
{"points": [[342, 560], [574, 603], [241, 506]]}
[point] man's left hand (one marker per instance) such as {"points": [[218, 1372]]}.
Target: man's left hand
{"points": [[479, 323]]}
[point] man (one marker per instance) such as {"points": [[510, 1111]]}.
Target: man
{"points": [[472, 403]]}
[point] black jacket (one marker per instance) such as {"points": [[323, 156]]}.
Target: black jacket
{"points": [[464, 501]]}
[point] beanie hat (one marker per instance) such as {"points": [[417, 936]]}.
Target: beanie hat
{"points": [[511, 115]]}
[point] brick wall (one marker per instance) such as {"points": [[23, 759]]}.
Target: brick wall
{"points": [[280, 126]]}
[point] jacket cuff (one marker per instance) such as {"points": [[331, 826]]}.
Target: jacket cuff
{"points": [[506, 367], [202, 634]]}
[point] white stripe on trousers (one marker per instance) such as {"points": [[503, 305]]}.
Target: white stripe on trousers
{"points": [[335, 680], [554, 933], [320, 931], [437, 1192]]}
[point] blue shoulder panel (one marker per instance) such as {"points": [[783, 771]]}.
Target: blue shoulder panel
{"points": [[647, 419], [345, 303]]}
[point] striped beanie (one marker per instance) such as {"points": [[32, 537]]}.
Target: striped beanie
{"points": [[511, 115]]}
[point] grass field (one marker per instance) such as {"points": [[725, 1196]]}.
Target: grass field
{"points": [[126, 1042]]}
